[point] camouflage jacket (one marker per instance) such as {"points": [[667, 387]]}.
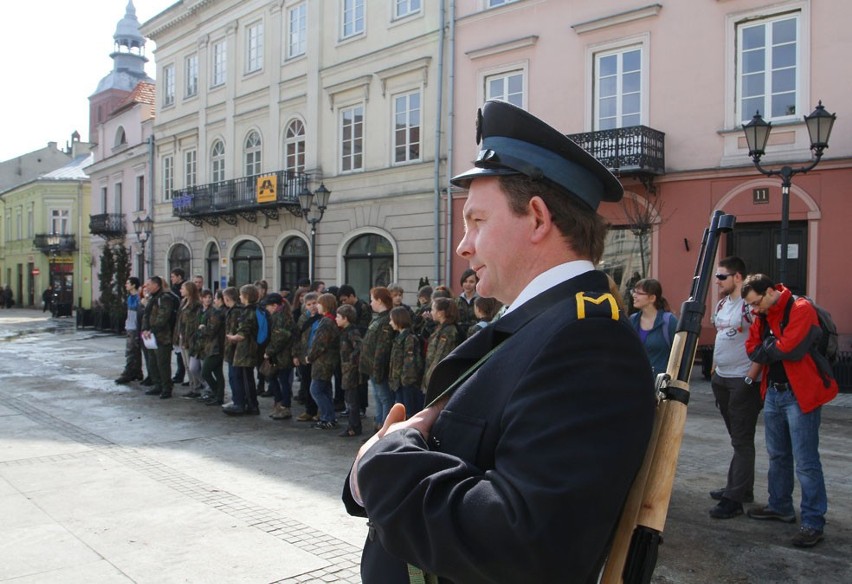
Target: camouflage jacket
{"points": [[375, 352], [350, 354], [406, 361], [186, 325], [364, 315], [443, 340], [282, 336], [423, 326], [210, 336], [158, 317], [303, 330], [232, 320], [324, 352], [246, 353], [467, 317]]}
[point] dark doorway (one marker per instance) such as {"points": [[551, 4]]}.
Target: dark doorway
{"points": [[759, 245]]}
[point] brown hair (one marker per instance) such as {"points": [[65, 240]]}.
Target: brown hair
{"points": [[348, 312], [232, 293], [652, 286], [488, 307], [448, 307], [191, 292], [250, 292], [383, 295], [582, 228], [401, 317], [328, 302]]}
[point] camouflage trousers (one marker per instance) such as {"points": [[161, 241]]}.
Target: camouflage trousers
{"points": [[133, 356]]}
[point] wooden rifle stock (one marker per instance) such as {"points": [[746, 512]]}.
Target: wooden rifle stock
{"points": [[633, 555]]}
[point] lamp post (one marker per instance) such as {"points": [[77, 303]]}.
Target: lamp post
{"points": [[143, 229], [819, 124], [53, 240], [313, 208]]}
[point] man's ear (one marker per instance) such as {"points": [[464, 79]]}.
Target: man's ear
{"points": [[541, 217]]}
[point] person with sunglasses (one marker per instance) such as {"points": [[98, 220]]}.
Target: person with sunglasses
{"points": [[737, 398]]}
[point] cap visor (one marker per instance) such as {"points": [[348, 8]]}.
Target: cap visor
{"points": [[463, 180]]}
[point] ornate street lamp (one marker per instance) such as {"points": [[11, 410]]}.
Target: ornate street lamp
{"points": [[143, 229], [819, 124], [313, 208]]}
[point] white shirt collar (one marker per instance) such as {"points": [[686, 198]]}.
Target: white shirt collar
{"points": [[552, 277]]}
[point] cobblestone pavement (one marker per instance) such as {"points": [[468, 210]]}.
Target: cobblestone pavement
{"points": [[100, 483]]}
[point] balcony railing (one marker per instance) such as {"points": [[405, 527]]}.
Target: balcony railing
{"points": [[67, 243], [107, 225], [633, 151], [241, 197]]}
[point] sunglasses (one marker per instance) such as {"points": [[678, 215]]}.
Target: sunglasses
{"points": [[723, 277]]}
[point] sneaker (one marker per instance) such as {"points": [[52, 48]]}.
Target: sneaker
{"points": [[807, 537], [726, 509], [284, 413], [324, 425], [767, 513], [717, 495], [191, 395], [304, 417]]}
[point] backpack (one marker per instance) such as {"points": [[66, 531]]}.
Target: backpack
{"points": [[827, 345], [262, 325]]}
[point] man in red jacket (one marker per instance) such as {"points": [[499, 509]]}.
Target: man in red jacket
{"points": [[795, 384]]}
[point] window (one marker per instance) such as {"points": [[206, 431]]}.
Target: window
{"points": [[294, 147], [247, 263], [168, 85], [19, 223], [140, 192], [626, 258], [403, 8], [60, 221], [116, 199], [190, 168], [768, 66], [254, 47], [191, 75], [297, 30], [352, 138], [369, 262], [179, 257], [213, 266], [168, 177], [253, 154], [493, 3], [120, 137], [618, 89], [406, 130], [217, 162], [294, 262], [507, 87], [353, 18], [30, 223], [220, 65], [104, 199]]}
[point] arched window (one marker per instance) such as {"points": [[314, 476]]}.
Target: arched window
{"points": [[294, 262], [179, 258], [247, 263], [212, 261], [368, 262], [294, 147], [217, 162], [253, 154], [120, 137]]}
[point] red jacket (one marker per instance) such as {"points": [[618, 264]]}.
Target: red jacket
{"points": [[811, 387]]}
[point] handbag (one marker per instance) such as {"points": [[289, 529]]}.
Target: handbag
{"points": [[268, 369]]}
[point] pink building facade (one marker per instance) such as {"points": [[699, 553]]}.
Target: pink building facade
{"points": [[660, 92]]}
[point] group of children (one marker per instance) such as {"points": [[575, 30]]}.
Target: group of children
{"points": [[322, 338]]}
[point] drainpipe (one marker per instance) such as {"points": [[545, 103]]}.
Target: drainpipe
{"points": [[451, 84], [149, 263], [438, 109]]}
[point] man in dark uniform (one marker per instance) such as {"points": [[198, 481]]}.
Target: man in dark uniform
{"points": [[157, 322], [518, 474]]}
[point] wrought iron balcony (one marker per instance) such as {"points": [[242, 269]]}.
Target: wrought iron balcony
{"points": [[107, 225], [242, 197], [65, 243], [634, 151]]}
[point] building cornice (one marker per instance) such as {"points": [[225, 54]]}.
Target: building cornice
{"points": [[616, 19], [512, 45]]}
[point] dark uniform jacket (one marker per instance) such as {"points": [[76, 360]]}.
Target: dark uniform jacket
{"points": [[281, 339], [350, 354], [528, 466], [246, 351], [375, 352], [232, 321], [158, 317], [443, 340], [406, 362], [324, 353], [364, 314], [210, 337]]}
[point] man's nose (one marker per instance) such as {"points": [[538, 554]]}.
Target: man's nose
{"points": [[465, 247]]}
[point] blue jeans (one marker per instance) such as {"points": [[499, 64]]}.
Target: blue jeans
{"points": [[321, 392], [238, 396], [794, 436], [281, 388], [384, 400], [411, 397]]}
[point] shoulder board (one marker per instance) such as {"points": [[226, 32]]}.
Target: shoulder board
{"points": [[596, 304]]}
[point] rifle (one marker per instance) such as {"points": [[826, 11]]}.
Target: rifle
{"points": [[633, 555]]}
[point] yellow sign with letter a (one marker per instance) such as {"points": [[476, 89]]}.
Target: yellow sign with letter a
{"points": [[267, 188]]}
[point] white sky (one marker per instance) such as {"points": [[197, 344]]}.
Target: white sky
{"points": [[54, 53]]}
